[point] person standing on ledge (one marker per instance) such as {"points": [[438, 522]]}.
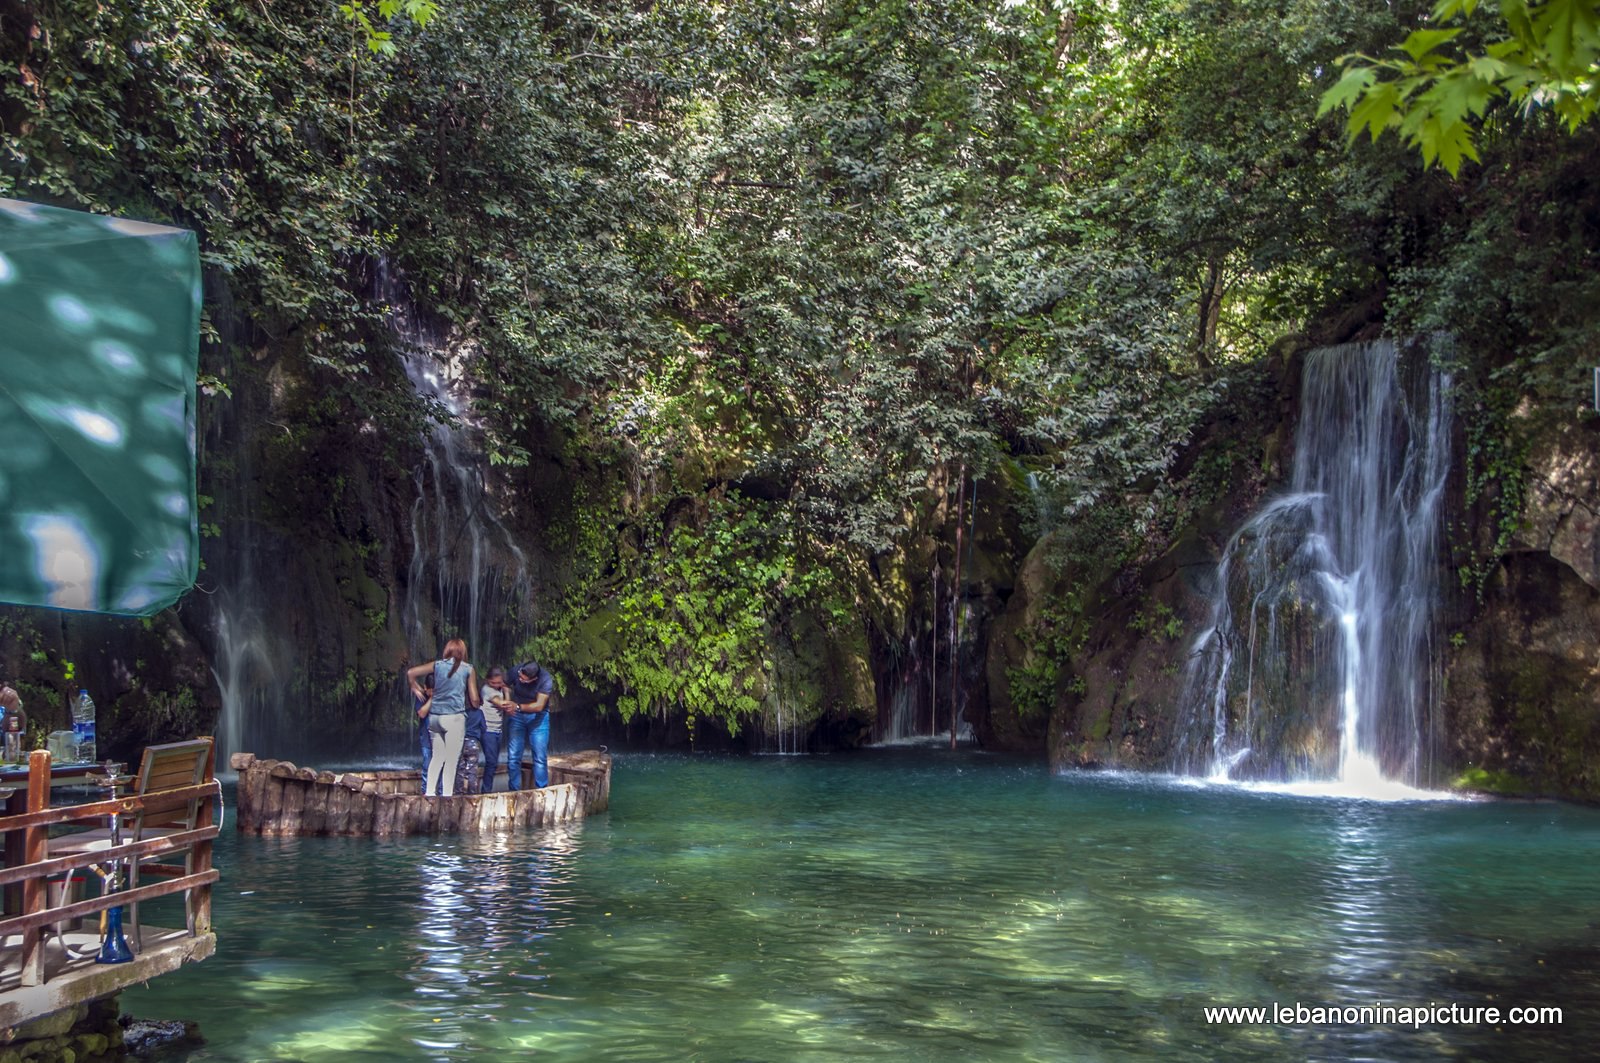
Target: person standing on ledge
{"points": [[495, 695], [421, 703], [455, 689], [528, 724]]}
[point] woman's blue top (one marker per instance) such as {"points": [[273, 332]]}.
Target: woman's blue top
{"points": [[449, 692]]}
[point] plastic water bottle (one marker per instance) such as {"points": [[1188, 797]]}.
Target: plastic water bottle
{"points": [[14, 724], [83, 726]]}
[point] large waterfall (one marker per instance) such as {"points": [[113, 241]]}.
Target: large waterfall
{"points": [[1321, 660]]}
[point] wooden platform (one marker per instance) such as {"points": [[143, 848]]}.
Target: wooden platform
{"points": [[167, 826], [70, 980], [276, 797]]}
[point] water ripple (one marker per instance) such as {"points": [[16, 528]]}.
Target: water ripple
{"points": [[900, 904]]}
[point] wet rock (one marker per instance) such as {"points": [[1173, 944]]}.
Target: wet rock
{"points": [[157, 1038]]}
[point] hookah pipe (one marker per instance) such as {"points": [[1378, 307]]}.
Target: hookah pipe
{"points": [[113, 946]]}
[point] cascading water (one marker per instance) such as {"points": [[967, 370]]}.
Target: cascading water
{"points": [[1320, 661], [284, 652], [249, 669], [467, 575], [905, 684]]}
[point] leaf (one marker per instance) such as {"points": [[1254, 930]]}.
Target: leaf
{"points": [[1456, 95], [1568, 31], [1486, 68], [1515, 12], [1376, 112], [1355, 81], [1421, 42], [1449, 144]]}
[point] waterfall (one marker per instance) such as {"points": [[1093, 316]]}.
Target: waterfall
{"points": [[297, 677], [781, 730], [911, 716], [906, 686], [251, 674], [467, 575], [1321, 660]]}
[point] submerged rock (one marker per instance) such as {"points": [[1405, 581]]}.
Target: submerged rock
{"points": [[158, 1038]]}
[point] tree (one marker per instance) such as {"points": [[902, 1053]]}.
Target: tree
{"points": [[1536, 53], [359, 13]]}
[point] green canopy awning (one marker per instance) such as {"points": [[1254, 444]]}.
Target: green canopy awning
{"points": [[99, 345]]}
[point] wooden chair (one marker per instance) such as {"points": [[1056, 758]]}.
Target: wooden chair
{"points": [[169, 767]]}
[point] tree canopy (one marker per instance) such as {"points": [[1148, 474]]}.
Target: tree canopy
{"points": [[770, 283], [1543, 54]]}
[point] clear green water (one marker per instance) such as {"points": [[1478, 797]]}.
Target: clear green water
{"points": [[904, 905]]}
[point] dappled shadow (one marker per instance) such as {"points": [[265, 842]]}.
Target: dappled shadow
{"points": [[97, 377]]}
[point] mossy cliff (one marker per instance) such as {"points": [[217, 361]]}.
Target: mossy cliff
{"points": [[1088, 653], [1521, 691], [1075, 642]]}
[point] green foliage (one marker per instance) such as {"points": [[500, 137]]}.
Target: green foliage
{"points": [[1161, 621], [1484, 780], [1539, 54], [359, 13], [1033, 687], [765, 282], [688, 619], [234, 121], [167, 712], [1059, 631], [1497, 473]]}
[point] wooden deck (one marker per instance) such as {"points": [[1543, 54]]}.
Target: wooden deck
{"points": [[47, 963], [70, 980], [276, 797]]}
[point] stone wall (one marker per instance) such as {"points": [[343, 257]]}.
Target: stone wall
{"points": [[86, 1033]]}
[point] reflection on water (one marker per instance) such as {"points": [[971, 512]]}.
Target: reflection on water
{"points": [[897, 905], [1359, 887]]}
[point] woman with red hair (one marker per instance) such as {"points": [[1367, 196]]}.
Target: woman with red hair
{"points": [[455, 689]]}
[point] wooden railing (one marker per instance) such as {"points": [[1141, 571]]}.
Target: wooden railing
{"points": [[28, 914]]}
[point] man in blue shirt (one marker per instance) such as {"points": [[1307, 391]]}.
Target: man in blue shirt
{"points": [[527, 724]]}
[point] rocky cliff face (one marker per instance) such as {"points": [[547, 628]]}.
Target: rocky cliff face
{"points": [[1521, 693], [310, 557], [1094, 658]]}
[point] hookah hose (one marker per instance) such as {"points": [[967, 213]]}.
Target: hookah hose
{"points": [[87, 951]]}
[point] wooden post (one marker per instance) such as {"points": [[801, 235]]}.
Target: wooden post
{"points": [[200, 856], [36, 847]]}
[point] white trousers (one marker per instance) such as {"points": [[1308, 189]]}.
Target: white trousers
{"points": [[449, 734]]}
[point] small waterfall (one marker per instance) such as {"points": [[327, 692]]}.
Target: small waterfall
{"points": [[467, 574], [905, 682], [781, 731], [911, 716], [262, 681], [1320, 661], [245, 667]]}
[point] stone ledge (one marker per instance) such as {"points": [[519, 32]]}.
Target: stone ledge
{"points": [[163, 951]]}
